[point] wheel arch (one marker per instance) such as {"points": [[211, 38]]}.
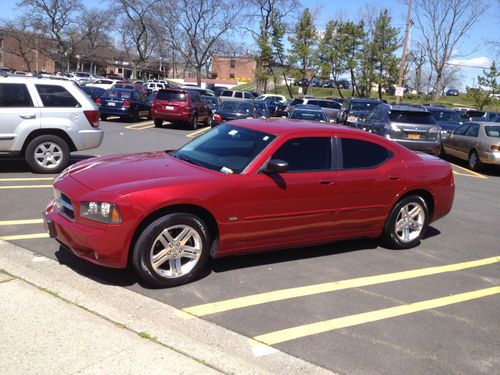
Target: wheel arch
{"points": [[425, 194], [57, 132], [199, 211]]}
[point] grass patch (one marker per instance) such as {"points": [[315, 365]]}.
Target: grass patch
{"points": [[245, 86], [55, 294], [147, 336]]}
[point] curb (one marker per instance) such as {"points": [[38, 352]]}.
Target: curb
{"points": [[200, 340]]}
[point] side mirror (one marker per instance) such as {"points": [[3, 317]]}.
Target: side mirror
{"points": [[276, 166]]}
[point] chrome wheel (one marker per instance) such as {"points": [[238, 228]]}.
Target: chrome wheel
{"points": [[176, 251], [410, 222], [48, 155]]}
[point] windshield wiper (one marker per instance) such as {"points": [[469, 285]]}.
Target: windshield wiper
{"points": [[186, 158]]}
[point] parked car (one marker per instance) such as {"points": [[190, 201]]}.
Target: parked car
{"points": [[262, 108], [476, 142], [201, 91], [479, 115], [151, 97], [447, 119], [242, 188], [355, 109], [409, 125], [131, 85], [452, 92], [304, 82], [44, 120], [93, 92], [273, 97], [308, 112], [330, 107], [125, 103], [103, 83], [180, 106], [344, 84], [233, 110], [281, 108], [235, 94], [255, 94]]}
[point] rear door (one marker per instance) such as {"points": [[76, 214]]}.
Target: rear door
{"points": [[18, 114]]}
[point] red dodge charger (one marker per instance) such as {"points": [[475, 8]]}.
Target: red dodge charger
{"points": [[243, 187]]}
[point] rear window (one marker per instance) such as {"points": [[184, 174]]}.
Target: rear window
{"points": [[410, 117], [171, 95], [117, 94], [14, 95], [308, 115], [492, 131], [363, 106], [56, 96], [233, 106], [447, 117], [296, 101]]}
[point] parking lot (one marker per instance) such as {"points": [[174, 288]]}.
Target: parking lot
{"points": [[351, 306]]}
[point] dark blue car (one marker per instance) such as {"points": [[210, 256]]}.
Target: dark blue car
{"points": [[125, 103]]}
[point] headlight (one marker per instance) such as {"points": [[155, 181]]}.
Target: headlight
{"points": [[103, 212]]}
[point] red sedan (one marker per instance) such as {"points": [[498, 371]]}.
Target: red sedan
{"points": [[243, 187]]}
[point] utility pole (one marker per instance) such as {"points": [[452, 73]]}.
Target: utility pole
{"points": [[403, 56]]}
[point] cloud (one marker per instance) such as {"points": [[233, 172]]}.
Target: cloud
{"points": [[476, 62]]}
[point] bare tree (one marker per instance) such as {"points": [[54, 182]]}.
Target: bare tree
{"points": [[194, 28], [417, 58], [137, 26], [26, 41], [443, 24], [56, 19]]}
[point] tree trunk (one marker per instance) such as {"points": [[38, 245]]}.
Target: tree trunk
{"points": [[353, 86], [439, 84], [198, 76]]}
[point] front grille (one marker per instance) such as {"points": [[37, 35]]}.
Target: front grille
{"points": [[63, 203]]}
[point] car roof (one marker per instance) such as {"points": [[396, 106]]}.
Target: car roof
{"points": [[313, 107], [364, 100], [441, 109], [405, 107]]}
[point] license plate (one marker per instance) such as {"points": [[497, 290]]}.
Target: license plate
{"points": [[169, 107], [111, 104], [414, 136]]}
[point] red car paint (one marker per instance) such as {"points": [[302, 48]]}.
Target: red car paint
{"points": [[252, 211]]}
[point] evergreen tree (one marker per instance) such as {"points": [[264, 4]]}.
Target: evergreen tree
{"points": [[332, 60], [490, 86]]}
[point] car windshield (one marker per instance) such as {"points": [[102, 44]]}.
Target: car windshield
{"points": [[492, 131], [446, 117], [210, 99], [117, 94], [226, 148], [236, 107], [308, 115], [412, 117], [363, 106]]}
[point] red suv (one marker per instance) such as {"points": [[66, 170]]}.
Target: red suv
{"points": [[180, 105]]}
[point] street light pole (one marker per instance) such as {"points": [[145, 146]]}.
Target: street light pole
{"points": [[403, 56]]}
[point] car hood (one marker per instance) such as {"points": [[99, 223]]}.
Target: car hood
{"points": [[114, 173]]}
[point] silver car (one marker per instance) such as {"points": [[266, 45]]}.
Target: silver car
{"points": [[476, 142]]}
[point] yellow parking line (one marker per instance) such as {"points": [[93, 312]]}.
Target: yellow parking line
{"points": [[25, 186], [283, 294], [21, 222], [24, 236], [194, 134], [139, 125], [469, 172], [145, 127], [288, 334], [27, 179]]}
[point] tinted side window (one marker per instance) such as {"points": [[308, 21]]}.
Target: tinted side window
{"points": [[238, 95], [473, 131], [462, 129], [14, 95], [226, 93], [362, 154], [306, 154], [248, 95], [56, 96]]}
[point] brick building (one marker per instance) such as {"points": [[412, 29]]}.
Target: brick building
{"points": [[240, 68], [10, 56]]}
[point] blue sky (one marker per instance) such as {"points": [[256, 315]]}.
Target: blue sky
{"points": [[473, 51]]}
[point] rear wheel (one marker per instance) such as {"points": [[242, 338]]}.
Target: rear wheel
{"points": [[474, 162], [407, 223], [158, 122], [47, 154], [104, 117], [135, 116], [194, 122], [171, 250]]}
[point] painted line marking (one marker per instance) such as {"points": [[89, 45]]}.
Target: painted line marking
{"points": [[27, 179], [25, 186], [469, 172], [284, 294], [141, 125], [194, 134], [21, 222], [24, 236], [293, 333]]}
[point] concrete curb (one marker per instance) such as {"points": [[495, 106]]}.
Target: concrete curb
{"points": [[202, 341]]}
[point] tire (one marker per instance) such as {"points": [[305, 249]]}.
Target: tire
{"points": [[163, 239], [407, 223], [135, 116], [47, 154], [474, 162], [158, 122], [193, 125], [104, 117]]}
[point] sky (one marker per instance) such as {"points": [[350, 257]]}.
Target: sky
{"points": [[473, 51]]}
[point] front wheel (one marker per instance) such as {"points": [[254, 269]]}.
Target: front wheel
{"points": [[158, 122], [407, 223], [171, 250], [47, 154]]}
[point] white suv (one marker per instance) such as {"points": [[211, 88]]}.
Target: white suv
{"points": [[45, 119]]}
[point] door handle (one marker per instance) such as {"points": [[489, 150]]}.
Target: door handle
{"points": [[326, 182], [28, 116], [394, 178]]}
